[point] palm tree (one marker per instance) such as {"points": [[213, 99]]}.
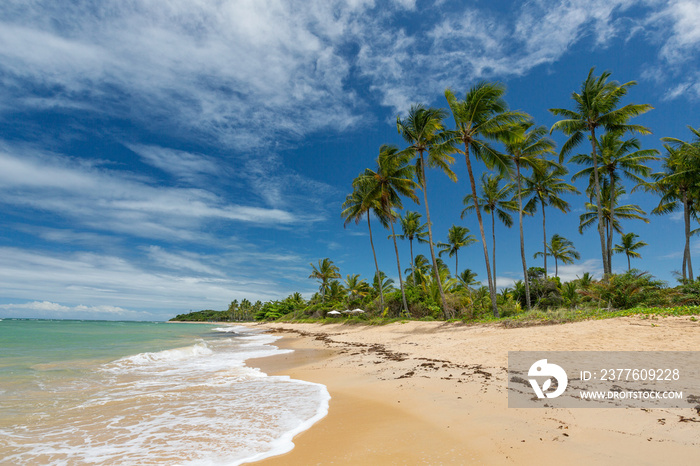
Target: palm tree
{"points": [[356, 205], [596, 106], [324, 273], [546, 185], [336, 290], [677, 184], [611, 218], [381, 284], [232, 308], [495, 200], [526, 148], [457, 238], [356, 287], [392, 179], [481, 117], [418, 270], [423, 130], [468, 278], [562, 250], [629, 246], [617, 158], [412, 228]]}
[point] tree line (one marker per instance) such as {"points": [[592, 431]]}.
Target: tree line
{"points": [[526, 175]]}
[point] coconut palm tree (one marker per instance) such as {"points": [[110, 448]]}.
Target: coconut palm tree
{"points": [[562, 250], [688, 169], [677, 185], [393, 178], [611, 218], [232, 308], [596, 105], [617, 158], [324, 273], [381, 284], [336, 290], [526, 148], [358, 204], [546, 185], [356, 287], [629, 246], [481, 117], [412, 228], [494, 200], [468, 278], [457, 238], [423, 130], [419, 270]]}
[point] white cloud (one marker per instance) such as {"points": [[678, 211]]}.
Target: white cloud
{"points": [[183, 261], [689, 88], [183, 165], [476, 43], [674, 26], [571, 272], [47, 309], [186, 282], [683, 41], [118, 201], [241, 71], [256, 73]]}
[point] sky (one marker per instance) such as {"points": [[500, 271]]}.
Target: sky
{"points": [[162, 156]]}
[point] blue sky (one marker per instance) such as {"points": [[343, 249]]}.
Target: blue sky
{"points": [[161, 156]]}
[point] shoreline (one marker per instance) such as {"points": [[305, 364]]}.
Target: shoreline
{"points": [[431, 392]]}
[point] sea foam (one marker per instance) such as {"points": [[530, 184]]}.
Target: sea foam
{"points": [[194, 405]]}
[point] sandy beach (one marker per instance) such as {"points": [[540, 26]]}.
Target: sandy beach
{"points": [[436, 393]]}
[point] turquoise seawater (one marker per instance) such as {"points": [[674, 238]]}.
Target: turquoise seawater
{"points": [[94, 392], [70, 345]]}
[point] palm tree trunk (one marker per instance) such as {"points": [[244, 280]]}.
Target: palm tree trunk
{"points": [[686, 215], [599, 209], [456, 264], [522, 238], [445, 310], [493, 252], [611, 221], [556, 267], [492, 290], [629, 266], [398, 264], [413, 261], [376, 265], [544, 232]]}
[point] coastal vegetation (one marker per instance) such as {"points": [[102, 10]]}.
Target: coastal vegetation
{"points": [[525, 175]]}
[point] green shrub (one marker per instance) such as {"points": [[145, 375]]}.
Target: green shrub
{"points": [[627, 290]]}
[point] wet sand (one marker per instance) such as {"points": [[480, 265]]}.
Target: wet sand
{"points": [[435, 393]]}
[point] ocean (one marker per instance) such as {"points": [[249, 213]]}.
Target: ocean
{"points": [[141, 393]]}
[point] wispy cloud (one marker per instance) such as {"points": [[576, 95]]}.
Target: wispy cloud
{"points": [[222, 69], [118, 201], [48, 309], [674, 26], [165, 284], [182, 165], [256, 74], [474, 42], [683, 41], [571, 272]]}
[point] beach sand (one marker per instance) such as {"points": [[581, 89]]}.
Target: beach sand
{"points": [[435, 393]]}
